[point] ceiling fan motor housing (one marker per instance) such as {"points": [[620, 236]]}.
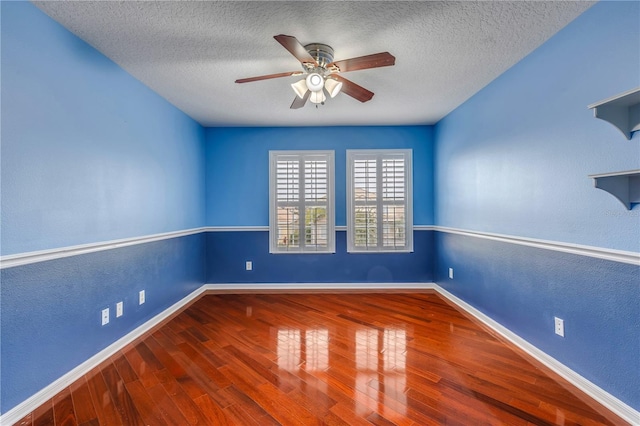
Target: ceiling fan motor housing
{"points": [[322, 53]]}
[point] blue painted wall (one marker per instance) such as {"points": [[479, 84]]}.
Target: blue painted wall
{"points": [[238, 167], [228, 251], [51, 310], [238, 195], [88, 152], [514, 160]]}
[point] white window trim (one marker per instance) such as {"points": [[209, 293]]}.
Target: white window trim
{"points": [[379, 154], [274, 156]]}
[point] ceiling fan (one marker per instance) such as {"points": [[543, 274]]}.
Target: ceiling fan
{"points": [[323, 73]]}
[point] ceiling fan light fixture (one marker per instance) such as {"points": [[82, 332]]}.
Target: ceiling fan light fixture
{"points": [[317, 97], [315, 82], [300, 87], [333, 86]]}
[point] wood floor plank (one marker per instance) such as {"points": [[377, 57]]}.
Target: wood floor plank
{"points": [[279, 402], [264, 395], [345, 412], [43, 415], [237, 416], [315, 400], [363, 397], [202, 348], [124, 369], [319, 358], [165, 404], [82, 402], [120, 397], [63, 411], [105, 408], [250, 409], [145, 406], [210, 371], [197, 377], [143, 371], [212, 411], [263, 369], [165, 358], [194, 381], [378, 420], [181, 399], [168, 333], [148, 357]]}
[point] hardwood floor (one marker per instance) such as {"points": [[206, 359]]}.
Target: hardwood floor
{"points": [[335, 359]]}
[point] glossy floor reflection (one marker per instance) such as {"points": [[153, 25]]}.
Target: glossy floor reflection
{"points": [[297, 359]]}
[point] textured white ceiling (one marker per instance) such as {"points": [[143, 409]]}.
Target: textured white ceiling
{"points": [[192, 52]]}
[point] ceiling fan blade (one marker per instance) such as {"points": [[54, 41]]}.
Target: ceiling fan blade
{"points": [[376, 60], [354, 90], [299, 103], [267, 77], [296, 49]]}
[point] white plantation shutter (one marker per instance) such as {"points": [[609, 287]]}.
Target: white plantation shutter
{"points": [[379, 201], [301, 202]]}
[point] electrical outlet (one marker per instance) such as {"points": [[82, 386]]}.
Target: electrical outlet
{"points": [[248, 265], [141, 297], [105, 316], [559, 324], [119, 309], [450, 273]]}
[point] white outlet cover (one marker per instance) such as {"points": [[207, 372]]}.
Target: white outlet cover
{"points": [[105, 316], [141, 297], [119, 309], [559, 326], [249, 265], [450, 273]]}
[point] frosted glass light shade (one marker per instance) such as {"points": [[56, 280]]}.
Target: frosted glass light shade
{"points": [[317, 97], [315, 82], [300, 88], [333, 87]]}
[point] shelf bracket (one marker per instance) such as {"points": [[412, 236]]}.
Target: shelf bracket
{"points": [[625, 186], [622, 111]]}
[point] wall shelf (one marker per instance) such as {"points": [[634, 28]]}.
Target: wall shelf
{"points": [[625, 186], [623, 111]]}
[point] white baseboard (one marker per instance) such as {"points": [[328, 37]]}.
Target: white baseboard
{"points": [[19, 411], [612, 403], [320, 286]]}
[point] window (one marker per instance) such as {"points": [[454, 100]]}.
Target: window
{"points": [[379, 201], [301, 211]]}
